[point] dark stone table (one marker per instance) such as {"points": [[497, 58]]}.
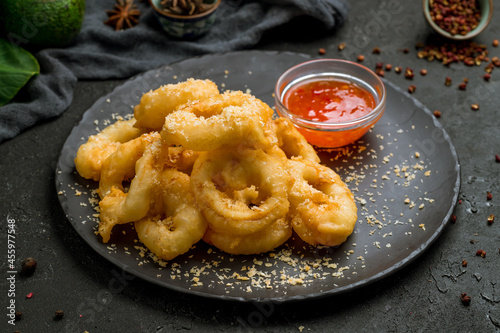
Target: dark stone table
{"points": [[96, 296]]}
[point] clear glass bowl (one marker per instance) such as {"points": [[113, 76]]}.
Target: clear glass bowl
{"points": [[332, 134]]}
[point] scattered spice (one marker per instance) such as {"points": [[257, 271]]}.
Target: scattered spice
{"points": [[321, 51], [380, 72], [412, 88], [491, 218], [437, 114], [409, 73], [495, 43], [447, 81], [487, 77], [18, 315], [30, 295], [464, 263], [376, 50], [465, 298], [474, 107], [489, 196], [406, 50], [185, 7], [124, 15], [58, 314], [453, 218], [467, 52], [462, 86], [341, 46], [398, 69], [423, 72], [481, 253], [361, 58], [28, 266], [497, 158], [388, 67]]}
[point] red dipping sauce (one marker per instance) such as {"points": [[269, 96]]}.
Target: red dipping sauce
{"points": [[329, 100]]}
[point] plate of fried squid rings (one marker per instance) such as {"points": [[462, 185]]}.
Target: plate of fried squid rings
{"points": [[185, 177]]}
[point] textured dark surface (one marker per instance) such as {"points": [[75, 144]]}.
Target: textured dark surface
{"points": [[425, 296]]}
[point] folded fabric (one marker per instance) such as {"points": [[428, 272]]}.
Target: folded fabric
{"points": [[101, 53]]}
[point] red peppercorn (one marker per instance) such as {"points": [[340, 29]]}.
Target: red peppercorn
{"points": [[388, 67], [341, 46], [487, 77], [489, 196], [437, 114], [464, 263], [490, 219], [398, 69], [447, 81], [412, 88], [409, 73], [497, 158], [481, 253], [423, 72], [453, 219], [321, 51], [376, 50], [474, 107], [462, 86], [465, 299], [495, 42]]}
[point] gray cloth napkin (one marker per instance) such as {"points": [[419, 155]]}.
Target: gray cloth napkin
{"points": [[100, 53]]}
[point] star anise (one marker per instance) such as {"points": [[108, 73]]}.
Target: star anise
{"points": [[124, 15]]}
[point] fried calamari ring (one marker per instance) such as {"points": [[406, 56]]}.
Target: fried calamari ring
{"points": [[259, 242], [222, 120], [118, 207], [120, 166], [240, 191], [322, 208], [292, 142], [96, 150], [157, 104], [178, 225]]}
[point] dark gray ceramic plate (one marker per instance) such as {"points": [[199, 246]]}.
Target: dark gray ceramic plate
{"points": [[404, 174]]}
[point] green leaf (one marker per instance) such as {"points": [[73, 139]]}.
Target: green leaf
{"points": [[17, 66]]}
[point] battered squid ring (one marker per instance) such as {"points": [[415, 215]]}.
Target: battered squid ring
{"points": [[322, 208], [240, 192], [292, 142], [118, 207], [120, 166], [179, 224], [96, 150], [157, 104], [222, 120], [259, 242]]}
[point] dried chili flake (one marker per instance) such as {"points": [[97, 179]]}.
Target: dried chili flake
{"points": [[465, 299], [30, 295]]}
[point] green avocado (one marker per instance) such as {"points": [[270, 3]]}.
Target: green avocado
{"points": [[42, 23]]}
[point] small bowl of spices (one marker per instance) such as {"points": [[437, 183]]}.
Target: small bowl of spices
{"points": [[458, 19], [332, 102], [186, 19]]}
